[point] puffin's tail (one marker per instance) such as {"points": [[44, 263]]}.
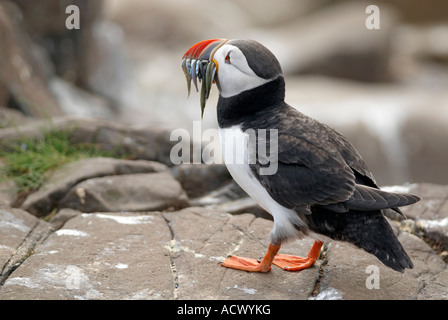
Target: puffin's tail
{"points": [[365, 198], [367, 230]]}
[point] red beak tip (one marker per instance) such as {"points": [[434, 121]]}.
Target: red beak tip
{"points": [[196, 50]]}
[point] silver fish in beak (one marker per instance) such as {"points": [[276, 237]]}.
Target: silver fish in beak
{"points": [[199, 66]]}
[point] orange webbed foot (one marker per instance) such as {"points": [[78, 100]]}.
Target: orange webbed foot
{"points": [[252, 265], [293, 263], [245, 264]]}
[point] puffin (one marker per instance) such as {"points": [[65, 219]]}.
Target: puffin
{"points": [[320, 187]]}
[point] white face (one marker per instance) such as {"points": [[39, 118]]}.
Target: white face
{"points": [[234, 73]]}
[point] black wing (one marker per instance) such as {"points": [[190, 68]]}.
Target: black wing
{"points": [[318, 166]]}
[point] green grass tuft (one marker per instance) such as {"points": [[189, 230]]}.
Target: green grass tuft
{"points": [[28, 161]]}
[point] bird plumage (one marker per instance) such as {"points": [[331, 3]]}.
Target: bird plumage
{"points": [[322, 187], [320, 172]]}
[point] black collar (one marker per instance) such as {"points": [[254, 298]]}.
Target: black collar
{"points": [[244, 106]]}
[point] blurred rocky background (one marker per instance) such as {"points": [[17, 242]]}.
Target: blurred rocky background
{"points": [[386, 89], [155, 230]]}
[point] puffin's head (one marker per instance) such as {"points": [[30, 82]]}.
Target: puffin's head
{"points": [[235, 66]]}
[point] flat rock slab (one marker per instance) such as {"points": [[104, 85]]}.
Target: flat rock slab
{"points": [[203, 237], [175, 255], [98, 256], [156, 256]]}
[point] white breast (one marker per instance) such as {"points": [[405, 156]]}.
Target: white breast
{"points": [[235, 153]]}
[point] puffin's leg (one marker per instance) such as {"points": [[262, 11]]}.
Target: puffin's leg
{"points": [[253, 265], [293, 263]]}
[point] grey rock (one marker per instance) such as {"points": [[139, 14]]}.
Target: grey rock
{"points": [[70, 52], [98, 256], [228, 192], [62, 216], [243, 205], [77, 102], [434, 203], [128, 192], [155, 256], [108, 70], [20, 234], [8, 191], [232, 199], [435, 232], [44, 200], [3, 101], [334, 41], [22, 70], [44, 58], [199, 179], [425, 136], [92, 57], [10, 117]]}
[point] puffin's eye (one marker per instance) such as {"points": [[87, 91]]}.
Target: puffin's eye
{"points": [[227, 58]]}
